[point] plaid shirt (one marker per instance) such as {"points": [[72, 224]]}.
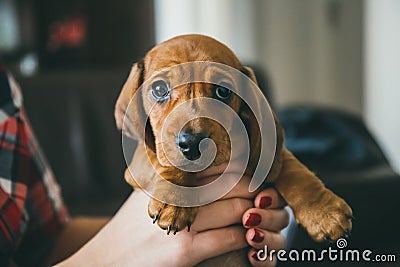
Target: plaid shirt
{"points": [[32, 211]]}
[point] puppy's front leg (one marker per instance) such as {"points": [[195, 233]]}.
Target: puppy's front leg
{"points": [[322, 213], [170, 217]]}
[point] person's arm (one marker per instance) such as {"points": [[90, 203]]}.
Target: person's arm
{"points": [[130, 239], [77, 232]]}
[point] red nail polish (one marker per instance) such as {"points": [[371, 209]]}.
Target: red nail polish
{"points": [[254, 256], [265, 202], [254, 219], [258, 236]]}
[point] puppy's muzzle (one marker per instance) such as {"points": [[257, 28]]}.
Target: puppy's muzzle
{"points": [[189, 142]]}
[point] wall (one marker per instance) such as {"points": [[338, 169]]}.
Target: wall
{"points": [[311, 49], [382, 75], [230, 21]]}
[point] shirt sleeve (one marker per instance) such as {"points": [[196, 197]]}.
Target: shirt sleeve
{"points": [[32, 211]]}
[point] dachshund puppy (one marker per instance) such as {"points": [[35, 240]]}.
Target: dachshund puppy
{"points": [[322, 213]]}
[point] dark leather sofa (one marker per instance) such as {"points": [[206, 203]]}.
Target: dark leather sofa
{"points": [[339, 148]]}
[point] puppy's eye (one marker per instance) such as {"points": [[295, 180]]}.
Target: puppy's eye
{"points": [[222, 91], [160, 90]]}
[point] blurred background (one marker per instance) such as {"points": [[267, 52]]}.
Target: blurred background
{"points": [[329, 67]]}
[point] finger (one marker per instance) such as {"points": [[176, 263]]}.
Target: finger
{"points": [[258, 238], [256, 261], [215, 242], [269, 199], [242, 189], [272, 220], [221, 213]]}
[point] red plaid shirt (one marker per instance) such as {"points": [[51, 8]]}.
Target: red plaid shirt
{"points": [[32, 211]]}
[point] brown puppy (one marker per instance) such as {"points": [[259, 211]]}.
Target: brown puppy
{"points": [[323, 214]]}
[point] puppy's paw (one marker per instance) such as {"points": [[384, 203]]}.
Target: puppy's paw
{"points": [[171, 218], [329, 218]]}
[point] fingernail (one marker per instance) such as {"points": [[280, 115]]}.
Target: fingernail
{"points": [[258, 236], [254, 256], [265, 202], [254, 219]]}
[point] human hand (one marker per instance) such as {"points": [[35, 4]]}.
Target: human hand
{"points": [[130, 238], [263, 221]]}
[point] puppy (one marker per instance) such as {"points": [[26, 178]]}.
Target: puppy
{"points": [[322, 213]]}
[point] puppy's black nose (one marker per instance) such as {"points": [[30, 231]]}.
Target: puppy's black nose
{"points": [[188, 142]]}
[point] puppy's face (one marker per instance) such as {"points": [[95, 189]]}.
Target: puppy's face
{"points": [[168, 102]]}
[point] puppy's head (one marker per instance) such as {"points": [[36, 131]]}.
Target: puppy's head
{"points": [[163, 92]]}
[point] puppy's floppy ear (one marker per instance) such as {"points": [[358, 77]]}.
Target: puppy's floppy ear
{"points": [[247, 115], [136, 124], [250, 120], [249, 72]]}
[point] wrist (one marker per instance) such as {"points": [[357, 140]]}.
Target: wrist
{"points": [[82, 258]]}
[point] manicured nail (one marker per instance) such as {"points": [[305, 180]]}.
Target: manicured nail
{"points": [[258, 236], [254, 256], [265, 202], [254, 219]]}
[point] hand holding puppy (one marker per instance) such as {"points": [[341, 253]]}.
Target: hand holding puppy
{"points": [[130, 238]]}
